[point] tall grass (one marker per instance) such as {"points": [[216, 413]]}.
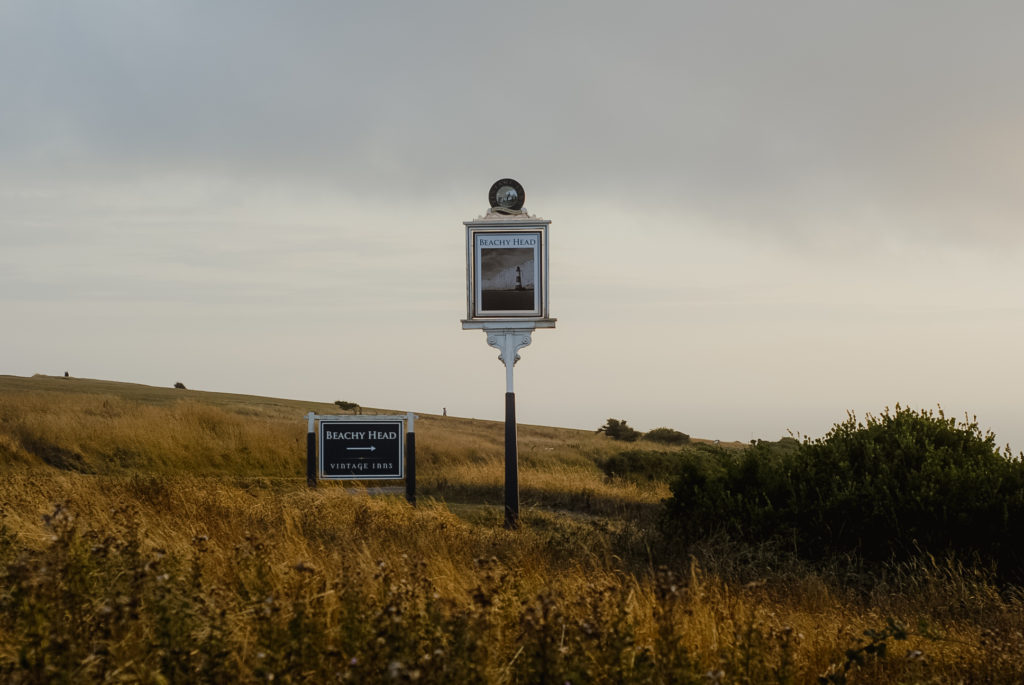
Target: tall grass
{"points": [[219, 565]]}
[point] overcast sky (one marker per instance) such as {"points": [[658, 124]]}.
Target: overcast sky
{"points": [[764, 215]]}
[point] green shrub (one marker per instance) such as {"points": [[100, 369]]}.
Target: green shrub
{"points": [[667, 436], [886, 488], [642, 466], [618, 429]]}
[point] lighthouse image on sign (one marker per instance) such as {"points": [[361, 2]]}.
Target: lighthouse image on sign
{"points": [[508, 279]]}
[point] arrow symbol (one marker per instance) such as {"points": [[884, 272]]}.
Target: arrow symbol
{"points": [[371, 448]]}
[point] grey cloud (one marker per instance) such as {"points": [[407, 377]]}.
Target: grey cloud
{"points": [[785, 115]]}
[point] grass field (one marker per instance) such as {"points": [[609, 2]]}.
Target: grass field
{"points": [[160, 535]]}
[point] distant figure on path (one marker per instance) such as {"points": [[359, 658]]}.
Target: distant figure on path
{"points": [[444, 411]]}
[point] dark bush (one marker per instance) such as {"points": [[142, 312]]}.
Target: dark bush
{"points": [[618, 429], [180, 386], [885, 489], [642, 466], [348, 406], [667, 436]]}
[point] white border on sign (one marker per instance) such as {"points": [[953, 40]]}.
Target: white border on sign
{"points": [[385, 420], [502, 269], [476, 231]]}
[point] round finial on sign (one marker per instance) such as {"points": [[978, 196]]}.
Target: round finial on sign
{"points": [[507, 194]]}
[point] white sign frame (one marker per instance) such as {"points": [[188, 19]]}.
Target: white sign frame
{"points": [[512, 257], [399, 419]]}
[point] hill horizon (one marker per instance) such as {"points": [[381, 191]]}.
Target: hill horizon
{"points": [[155, 394]]}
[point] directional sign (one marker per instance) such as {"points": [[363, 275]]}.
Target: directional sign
{"points": [[358, 450]]}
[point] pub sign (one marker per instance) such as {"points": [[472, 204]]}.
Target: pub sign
{"points": [[507, 270]]}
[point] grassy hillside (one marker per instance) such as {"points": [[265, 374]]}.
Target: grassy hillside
{"points": [[161, 535], [101, 427]]}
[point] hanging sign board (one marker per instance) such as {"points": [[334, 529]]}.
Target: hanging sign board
{"points": [[507, 269], [507, 274], [370, 448], [507, 263]]}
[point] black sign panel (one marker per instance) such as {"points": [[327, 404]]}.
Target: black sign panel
{"points": [[358, 450]]}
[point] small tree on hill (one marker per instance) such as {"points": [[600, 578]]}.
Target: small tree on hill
{"points": [[180, 386], [618, 429], [349, 406]]}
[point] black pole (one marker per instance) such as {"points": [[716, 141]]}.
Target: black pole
{"points": [[511, 463], [311, 456], [410, 467]]}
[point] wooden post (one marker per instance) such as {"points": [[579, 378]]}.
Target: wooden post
{"points": [[410, 462], [311, 451]]}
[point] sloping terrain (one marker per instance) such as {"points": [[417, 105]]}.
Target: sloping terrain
{"points": [[166, 535]]}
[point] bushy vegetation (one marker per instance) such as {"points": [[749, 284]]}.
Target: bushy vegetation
{"points": [[667, 436], [618, 429], [887, 488], [642, 465], [348, 406]]}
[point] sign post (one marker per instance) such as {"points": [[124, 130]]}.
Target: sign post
{"points": [[362, 448], [507, 297]]}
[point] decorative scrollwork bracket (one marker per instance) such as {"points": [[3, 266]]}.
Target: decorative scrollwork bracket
{"points": [[508, 341]]}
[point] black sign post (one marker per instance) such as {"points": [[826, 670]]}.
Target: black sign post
{"points": [[311, 451], [507, 296], [410, 464]]}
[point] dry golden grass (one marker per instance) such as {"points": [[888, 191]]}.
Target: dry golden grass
{"points": [[180, 535]]}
